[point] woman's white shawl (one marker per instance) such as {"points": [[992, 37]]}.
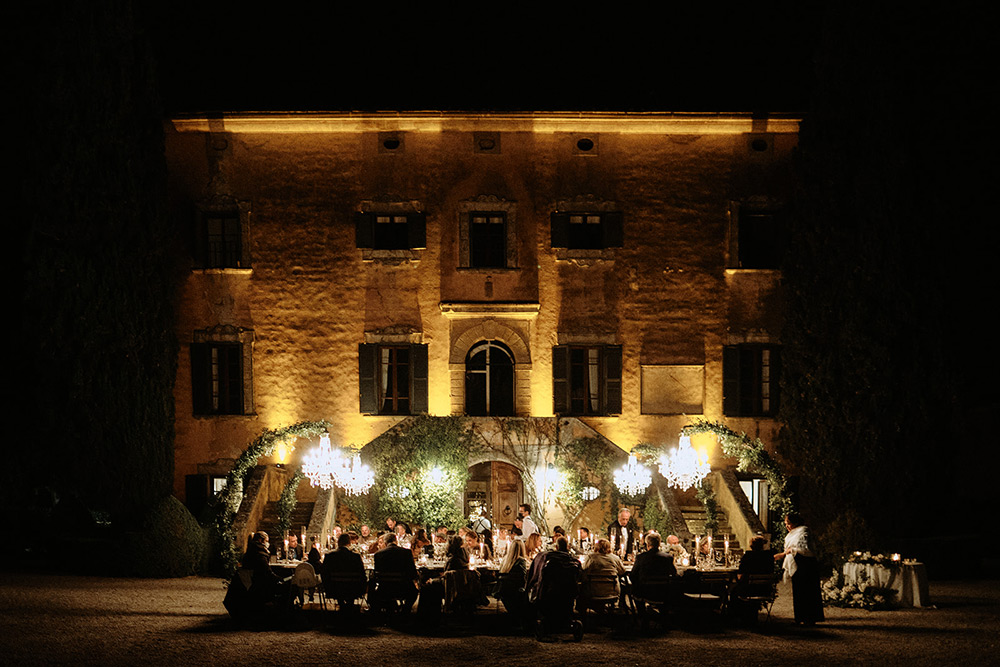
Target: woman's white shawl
{"points": [[796, 542]]}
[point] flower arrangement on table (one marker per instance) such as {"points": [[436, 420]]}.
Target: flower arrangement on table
{"points": [[891, 561], [862, 595]]}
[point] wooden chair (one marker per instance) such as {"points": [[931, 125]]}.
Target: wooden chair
{"points": [[600, 594], [758, 589], [706, 593], [659, 593], [304, 578]]}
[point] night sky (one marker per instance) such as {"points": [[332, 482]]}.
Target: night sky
{"points": [[628, 59]]}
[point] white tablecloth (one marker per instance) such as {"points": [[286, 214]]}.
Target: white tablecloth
{"points": [[909, 580]]}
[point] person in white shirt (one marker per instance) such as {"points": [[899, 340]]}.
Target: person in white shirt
{"points": [[527, 525]]}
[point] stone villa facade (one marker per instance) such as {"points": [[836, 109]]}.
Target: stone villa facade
{"points": [[619, 269]]}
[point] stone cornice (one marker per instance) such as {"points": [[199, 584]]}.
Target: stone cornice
{"points": [[440, 121]]}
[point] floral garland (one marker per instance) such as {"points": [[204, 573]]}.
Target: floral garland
{"points": [[752, 456], [227, 503], [863, 595], [868, 558]]}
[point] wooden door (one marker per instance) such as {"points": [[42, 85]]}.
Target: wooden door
{"points": [[506, 494]]}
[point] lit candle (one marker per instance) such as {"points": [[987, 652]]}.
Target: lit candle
{"points": [[726, 544], [697, 539], [895, 558], [286, 548]]}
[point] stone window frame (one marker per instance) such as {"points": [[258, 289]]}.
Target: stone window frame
{"points": [[392, 206], [227, 333], [580, 205], [487, 204]]}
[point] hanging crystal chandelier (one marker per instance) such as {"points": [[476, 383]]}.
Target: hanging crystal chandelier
{"points": [[322, 465], [683, 469], [356, 477], [632, 478]]}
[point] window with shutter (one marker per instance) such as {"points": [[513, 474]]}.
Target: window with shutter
{"points": [[586, 230], [217, 378], [750, 377], [586, 380], [390, 231], [392, 379]]}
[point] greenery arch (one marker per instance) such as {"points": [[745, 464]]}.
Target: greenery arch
{"points": [[227, 503], [751, 456]]}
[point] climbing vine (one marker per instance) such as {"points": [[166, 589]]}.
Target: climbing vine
{"points": [[751, 456], [227, 503], [421, 468], [287, 502]]}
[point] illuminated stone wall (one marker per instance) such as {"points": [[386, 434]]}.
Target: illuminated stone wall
{"points": [[311, 296]]}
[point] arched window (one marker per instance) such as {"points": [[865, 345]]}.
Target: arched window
{"points": [[489, 379]]}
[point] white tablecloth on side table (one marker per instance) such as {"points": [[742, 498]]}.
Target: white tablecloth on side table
{"points": [[909, 580]]}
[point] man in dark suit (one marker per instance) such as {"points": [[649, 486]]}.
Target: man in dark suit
{"points": [[395, 576], [621, 532], [344, 574], [651, 564]]}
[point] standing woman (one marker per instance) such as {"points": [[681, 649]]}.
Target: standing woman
{"points": [[802, 569]]}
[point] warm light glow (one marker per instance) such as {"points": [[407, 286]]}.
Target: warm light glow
{"points": [[322, 464], [435, 476]]}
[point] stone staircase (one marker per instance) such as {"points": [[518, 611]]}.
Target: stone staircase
{"points": [[695, 517], [301, 514]]}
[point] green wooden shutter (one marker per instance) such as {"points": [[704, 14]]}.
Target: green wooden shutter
{"points": [[560, 379], [612, 229], [559, 223], [364, 230], [418, 379], [368, 378], [775, 380], [416, 231], [613, 379], [730, 380], [201, 372]]}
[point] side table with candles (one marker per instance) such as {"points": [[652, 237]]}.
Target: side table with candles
{"points": [[908, 579]]}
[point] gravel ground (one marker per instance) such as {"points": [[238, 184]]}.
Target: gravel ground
{"points": [[59, 619]]}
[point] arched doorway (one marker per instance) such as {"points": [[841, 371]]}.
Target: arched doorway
{"points": [[489, 379], [495, 488]]}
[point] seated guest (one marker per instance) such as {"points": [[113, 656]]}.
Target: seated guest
{"points": [[344, 574], [379, 543], [476, 547], [559, 555], [458, 556], [513, 577], [403, 535], [419, 544], [355, 538], [601, 563], [583, 537], [755, 561], [650, 564], [295, 551], [266, 584], [553, 585], [395, 576], [533, 545], [365, 536], [674, 547], [440, 535]]}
